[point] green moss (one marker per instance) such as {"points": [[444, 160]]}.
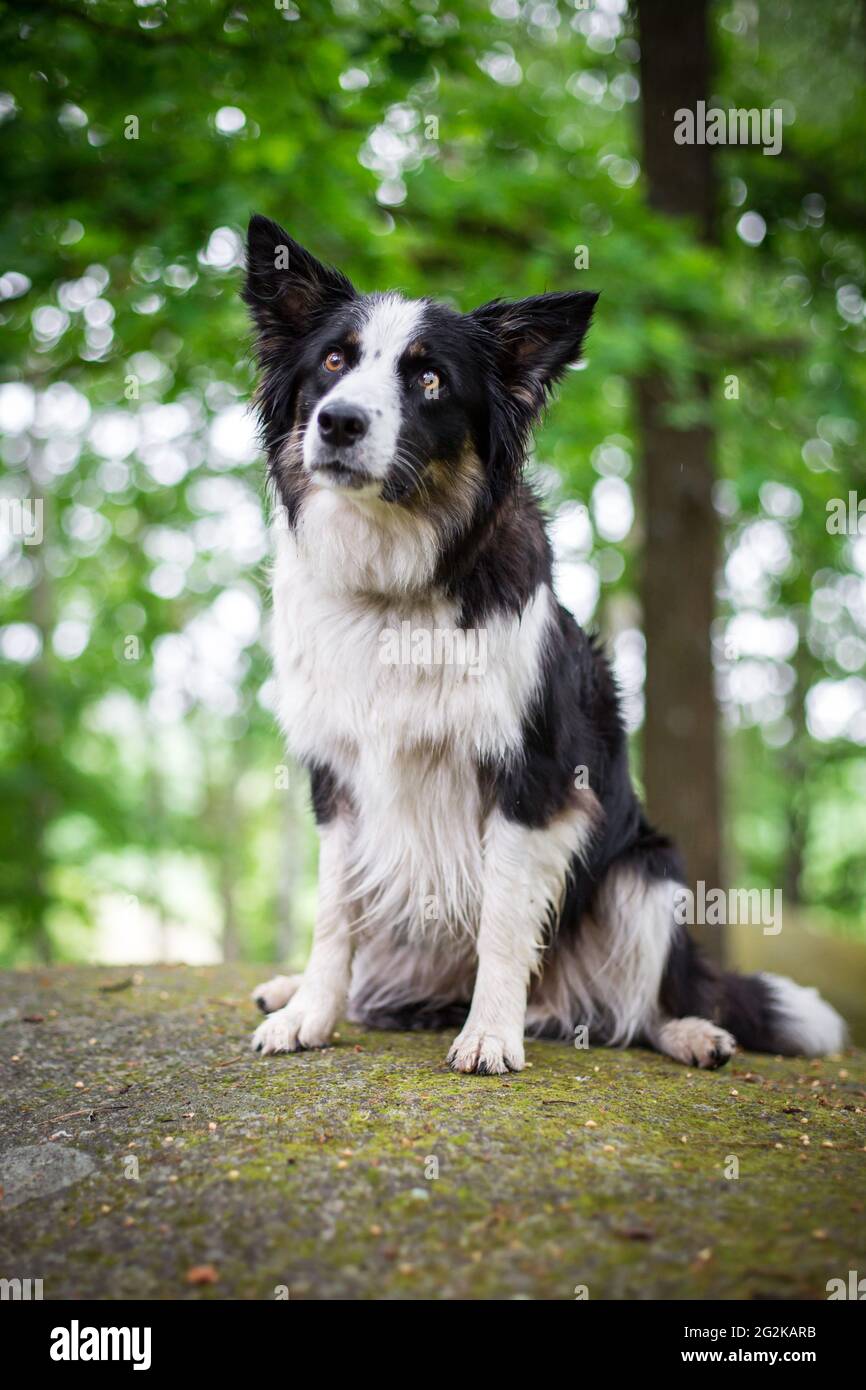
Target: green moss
{"points": [[598, 1168]]}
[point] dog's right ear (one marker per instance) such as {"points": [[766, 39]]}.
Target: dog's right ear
{"points": [[286, 288]]}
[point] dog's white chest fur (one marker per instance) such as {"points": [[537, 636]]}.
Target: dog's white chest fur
{"points": [[404, 737]]}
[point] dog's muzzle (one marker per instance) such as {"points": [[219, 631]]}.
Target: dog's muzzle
{"points": [[341, 426]]}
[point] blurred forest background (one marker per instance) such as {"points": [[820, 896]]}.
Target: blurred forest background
{"points": [[466, 150]]}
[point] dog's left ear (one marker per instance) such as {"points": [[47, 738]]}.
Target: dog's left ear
{"points": [[286, 288], [537, 338]]}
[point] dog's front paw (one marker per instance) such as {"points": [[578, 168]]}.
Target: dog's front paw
{"points": [[485, 1052], [273, 994], [294, 1028]]}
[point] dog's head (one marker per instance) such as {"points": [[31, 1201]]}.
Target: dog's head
{"points": [[387, 400]]}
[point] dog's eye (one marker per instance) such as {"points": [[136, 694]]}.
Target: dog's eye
{"points": [[334, 361], [432, 382]]}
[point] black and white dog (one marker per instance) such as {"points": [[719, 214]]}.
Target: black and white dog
{"points": [[468, 877]]}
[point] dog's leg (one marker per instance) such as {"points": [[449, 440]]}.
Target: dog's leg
{"points": [[616, 973], [524, 877], [309, 1018]]}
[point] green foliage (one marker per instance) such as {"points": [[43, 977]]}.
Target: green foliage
{"points": [[465, 152]]}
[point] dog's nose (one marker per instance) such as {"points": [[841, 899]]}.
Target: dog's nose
{"points": [[342, 424]]}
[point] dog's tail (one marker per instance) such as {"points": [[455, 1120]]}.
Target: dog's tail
{"points": [[769, 1013]]}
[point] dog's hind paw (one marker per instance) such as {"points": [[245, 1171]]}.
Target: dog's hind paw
{"points": [[696, 1042]]}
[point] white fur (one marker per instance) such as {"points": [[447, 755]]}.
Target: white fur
{"points": [[374, 385], [392, 970], [807, 1023], [525, 873], [610, 976], [273, 994], [403, 740], [356, 544], [694, 1041]]}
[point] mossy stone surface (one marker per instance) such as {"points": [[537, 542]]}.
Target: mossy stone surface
{"points": [[213, 1173]]}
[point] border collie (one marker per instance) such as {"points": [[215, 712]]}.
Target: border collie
{"points": [[485, 863]]}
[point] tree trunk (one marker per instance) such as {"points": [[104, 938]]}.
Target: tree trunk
{"points": [[680, 745], [797, 770]]}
